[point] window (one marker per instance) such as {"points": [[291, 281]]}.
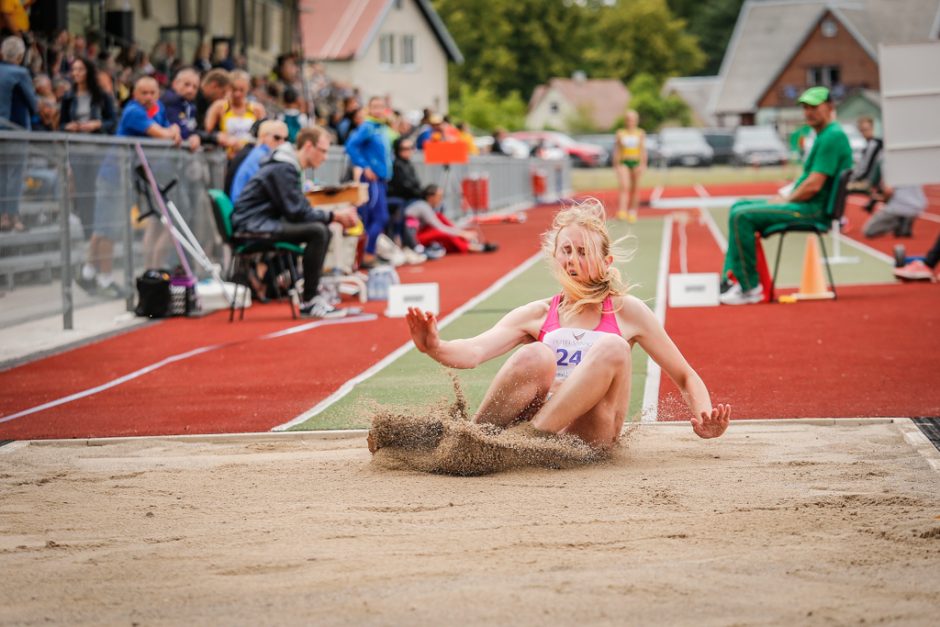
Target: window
{"points": [[829, 28], [553, 107], [407, 49], [825, 75], [387, 49], [398, 4]]}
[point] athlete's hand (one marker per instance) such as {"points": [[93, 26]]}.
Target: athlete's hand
{"points": [[712, 425], [423, 327]]}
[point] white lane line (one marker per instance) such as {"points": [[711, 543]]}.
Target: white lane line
{"points": [[110, 384], [650, 411], [865, 248], [319, 323], [171, 360], [930, 216], [710, 221], [347, 387]]}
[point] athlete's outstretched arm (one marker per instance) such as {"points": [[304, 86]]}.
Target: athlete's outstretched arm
{"points": [[508, 333], [707, 421]]}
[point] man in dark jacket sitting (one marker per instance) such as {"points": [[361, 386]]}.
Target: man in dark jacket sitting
{"points": [[272, 204]]}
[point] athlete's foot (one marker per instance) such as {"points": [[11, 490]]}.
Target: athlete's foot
{"points": [[623, 215]]}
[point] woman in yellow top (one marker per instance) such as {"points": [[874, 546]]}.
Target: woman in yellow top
{"points": [[234, 116], [629, 164]]}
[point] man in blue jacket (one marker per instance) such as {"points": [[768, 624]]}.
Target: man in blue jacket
{"points": [[18, 104], [370, 150], [272, 206]]}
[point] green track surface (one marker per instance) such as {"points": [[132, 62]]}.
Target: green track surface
{"points": [[414, 380], [868, 269]]}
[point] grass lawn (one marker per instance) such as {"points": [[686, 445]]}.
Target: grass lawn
{"points": [[585, 179]]}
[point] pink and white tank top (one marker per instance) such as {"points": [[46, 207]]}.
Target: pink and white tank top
{"points": [[569, 344]]}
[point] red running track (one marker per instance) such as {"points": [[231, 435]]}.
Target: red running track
{"points": [[248, 383]]}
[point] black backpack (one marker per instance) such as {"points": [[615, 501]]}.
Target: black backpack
{"points": [[154, 299]]}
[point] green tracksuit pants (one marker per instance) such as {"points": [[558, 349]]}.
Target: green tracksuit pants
{"points": [[749, 217]]}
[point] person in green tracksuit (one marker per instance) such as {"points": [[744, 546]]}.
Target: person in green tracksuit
{"points": [[808, 200]]}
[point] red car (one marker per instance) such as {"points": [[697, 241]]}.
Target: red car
{"points": [[581, 155]]}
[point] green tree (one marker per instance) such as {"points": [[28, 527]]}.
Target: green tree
{"points": [[630, 37], [482, 109], [654, 108], [712, 23]]}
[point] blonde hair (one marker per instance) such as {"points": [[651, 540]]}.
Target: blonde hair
{"points": [[603, 280]]}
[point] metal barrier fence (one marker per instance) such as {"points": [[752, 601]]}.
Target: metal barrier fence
{"points": [[77, 196]]}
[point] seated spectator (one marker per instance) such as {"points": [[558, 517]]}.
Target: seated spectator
{"points": [[865, 172], [403, 189], [435, 228], [807, 201], [292, 116], [142, 117], [271, 134], [233, 117], [903, 204], [273, 205], [918, 270], [18, 104]]}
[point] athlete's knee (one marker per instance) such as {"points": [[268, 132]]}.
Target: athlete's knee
{"points": [[611, 349], [535, 358]]}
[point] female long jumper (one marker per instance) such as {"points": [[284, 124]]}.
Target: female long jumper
{"points": [[572, 374]]}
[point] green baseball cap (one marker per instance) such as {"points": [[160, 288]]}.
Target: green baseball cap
{"points": [[815, 96]]}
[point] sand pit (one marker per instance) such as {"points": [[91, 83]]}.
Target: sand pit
{"points": [[771, 524]]}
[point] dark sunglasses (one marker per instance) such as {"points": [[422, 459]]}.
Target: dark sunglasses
{"points": [[279, 138]]}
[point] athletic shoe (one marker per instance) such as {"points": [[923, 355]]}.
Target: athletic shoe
{"points": [[435, 251], [89, 286], [916, 270], [737, 296], [631, 217], [413, 258], [111, 290], [319, 307], [622, 215]]}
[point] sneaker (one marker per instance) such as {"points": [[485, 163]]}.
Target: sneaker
{"points": [[414, 258], [916, 270], [737, 296], [89, 286], [435, 251], [320, 308], [111, 290]]}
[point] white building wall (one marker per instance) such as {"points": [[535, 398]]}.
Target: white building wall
{"points": [[542, 116]]}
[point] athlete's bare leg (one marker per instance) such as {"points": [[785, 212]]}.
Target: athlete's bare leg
{"points": [[593, 401], [623, 189], [520, 386], [634, 203]]}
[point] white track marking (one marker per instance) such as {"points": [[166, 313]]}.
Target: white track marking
{"points": [[171, 360], [710, 221], [347, 387], [650, 411], [657, 192]]}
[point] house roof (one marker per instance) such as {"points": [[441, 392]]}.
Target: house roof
{"points": [[697, 92], [341, 31], [769, 32], [606, 97]]}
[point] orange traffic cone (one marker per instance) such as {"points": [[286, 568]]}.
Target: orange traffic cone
{"points": [[812, 285]]}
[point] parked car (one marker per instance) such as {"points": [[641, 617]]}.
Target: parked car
{"points": [[512, 147], [604, 140], [722, 142], [759, 145], [581, 155], [684, 146]]}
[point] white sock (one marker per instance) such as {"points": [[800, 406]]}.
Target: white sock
{"points": [[88, 271]]}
